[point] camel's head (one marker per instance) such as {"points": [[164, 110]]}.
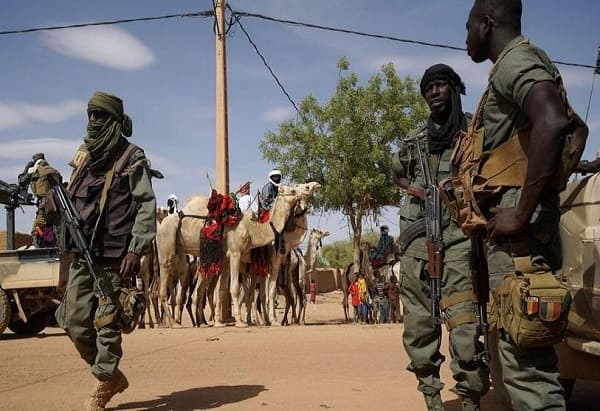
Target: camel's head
{"points": [[161, 213], [305, 192], [317, 232]]}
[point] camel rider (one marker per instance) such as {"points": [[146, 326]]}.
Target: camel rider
{"points": [[40, 176], [270, 190], [172, 204], [244, 197], [385, 248]]}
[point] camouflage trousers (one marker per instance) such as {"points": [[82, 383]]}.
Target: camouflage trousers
{"points": [[422, 340], [100, 348]]}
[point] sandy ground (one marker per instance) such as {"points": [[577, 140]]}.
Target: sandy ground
{"points": [[326, 364]]}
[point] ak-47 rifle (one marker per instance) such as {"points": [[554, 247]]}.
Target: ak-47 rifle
{"points": [[481, 295], [73, 222], [433, 234]]}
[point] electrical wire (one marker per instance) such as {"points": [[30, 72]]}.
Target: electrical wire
{"points": [[211, 13], [235, 14], [207, 13], [377, 36]]}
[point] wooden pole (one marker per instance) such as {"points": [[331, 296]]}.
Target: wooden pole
{"points": [[223, 299], [222, 145]]}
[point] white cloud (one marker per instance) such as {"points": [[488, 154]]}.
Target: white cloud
{"points": [[15, 114], [54, 148], [278, 114], [108, 46], [475, 76]]}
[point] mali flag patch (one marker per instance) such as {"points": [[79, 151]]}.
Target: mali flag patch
{"points": [[550, 310]]}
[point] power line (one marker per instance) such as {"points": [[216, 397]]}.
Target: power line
{"points": [[377, 36], [235, 14], [210, 13], [207, 13]]}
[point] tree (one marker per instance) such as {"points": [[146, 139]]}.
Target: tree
{"points": [[346, 144]]}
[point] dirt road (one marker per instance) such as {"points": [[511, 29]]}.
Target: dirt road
{"points": [[320, 366]]}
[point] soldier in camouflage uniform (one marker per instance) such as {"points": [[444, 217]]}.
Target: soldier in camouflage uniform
{"points": [[120, 228], [441, 87], [40, 176], [523, 94]]}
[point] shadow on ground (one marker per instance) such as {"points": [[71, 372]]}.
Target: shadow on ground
{"points": [[197, 398]]}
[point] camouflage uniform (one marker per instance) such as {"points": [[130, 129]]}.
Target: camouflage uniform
{"points": [[530, 375], [100, 346], [421, 339]]}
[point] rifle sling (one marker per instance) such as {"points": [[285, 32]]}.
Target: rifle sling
{"points": [[456, 298], [460, 319]]}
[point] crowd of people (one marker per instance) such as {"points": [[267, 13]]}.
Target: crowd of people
{"points": [[375, 304]]}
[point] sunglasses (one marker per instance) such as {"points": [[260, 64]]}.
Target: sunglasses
{"points": [[98, 114]]}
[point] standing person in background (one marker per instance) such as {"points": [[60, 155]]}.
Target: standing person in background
{"points": [[441, 88], [525, 94], [119, 227], [40, 176], [392, 290], [354, 292], [384, 306], [313, 291]]}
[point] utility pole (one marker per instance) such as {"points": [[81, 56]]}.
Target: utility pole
{"points": [[222, 144], [223, 298]]}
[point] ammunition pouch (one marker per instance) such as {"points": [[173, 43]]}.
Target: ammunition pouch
{"points": [[130, 305], [532, 308], [483, 175]]}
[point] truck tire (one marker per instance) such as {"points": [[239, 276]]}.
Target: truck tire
{"points": [[34, 324], [5, 311]]}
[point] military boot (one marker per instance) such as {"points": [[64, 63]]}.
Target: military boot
{"points": [[470, 404], [434, 402], [104, 391]]}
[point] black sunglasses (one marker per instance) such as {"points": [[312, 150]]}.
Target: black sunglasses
{"points": [[98, 114]]}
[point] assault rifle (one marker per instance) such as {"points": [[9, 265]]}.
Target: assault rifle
{"points": [[73, 222], [481, 295], [433, 235]]}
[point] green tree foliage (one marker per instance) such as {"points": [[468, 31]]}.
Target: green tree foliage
{"points": [[340, 253], [346, 143]]}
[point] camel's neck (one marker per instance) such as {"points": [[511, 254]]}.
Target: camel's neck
{"points": [[294, 238], [311, 253]]}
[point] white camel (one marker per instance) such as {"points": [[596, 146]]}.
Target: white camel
{"points": [[300, 269], [250, 234], [180, 234]]}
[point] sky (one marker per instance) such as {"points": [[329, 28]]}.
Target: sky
{"points": [[165, 73]]}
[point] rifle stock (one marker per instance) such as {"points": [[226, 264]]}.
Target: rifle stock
{"points": [[72, 221]]}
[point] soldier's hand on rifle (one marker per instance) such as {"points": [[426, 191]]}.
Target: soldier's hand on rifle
{"points": [[416, 192], [130, 265], [504, 221]]}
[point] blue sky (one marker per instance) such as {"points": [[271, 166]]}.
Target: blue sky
{"points": [[165, 72]]}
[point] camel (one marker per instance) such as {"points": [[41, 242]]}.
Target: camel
{"points": [[148, 272], [298, 268], [286, 230], [180, 234]]}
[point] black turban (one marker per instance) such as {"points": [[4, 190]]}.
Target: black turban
{"points": [[441, 136], [442, 72]]}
